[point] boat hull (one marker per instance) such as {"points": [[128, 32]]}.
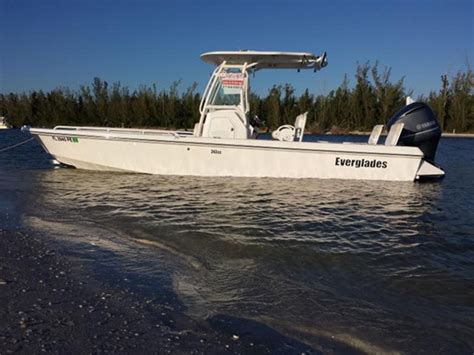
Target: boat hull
{"points": [[174, 155]]}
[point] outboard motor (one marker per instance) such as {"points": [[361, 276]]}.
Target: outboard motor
{"points": [[421, 128]]}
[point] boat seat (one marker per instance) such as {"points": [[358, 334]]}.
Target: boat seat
{"points": [[375, 135], [225, 123], [300, 123], [289, 133], [394, 134]]}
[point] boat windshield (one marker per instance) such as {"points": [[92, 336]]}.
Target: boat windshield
{"points": [[228, 88]]}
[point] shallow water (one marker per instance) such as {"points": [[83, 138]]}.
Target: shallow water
{"points": [[381, 266]]}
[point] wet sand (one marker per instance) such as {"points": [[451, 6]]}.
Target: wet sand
{"points": [[52, 303]]}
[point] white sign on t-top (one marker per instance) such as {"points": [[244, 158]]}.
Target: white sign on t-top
{"points": [[232, 82]]}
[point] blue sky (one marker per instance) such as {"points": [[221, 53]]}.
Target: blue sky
{"points": [[51, 43]]}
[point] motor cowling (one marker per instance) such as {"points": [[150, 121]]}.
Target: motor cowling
{"points": [[421, 128]]}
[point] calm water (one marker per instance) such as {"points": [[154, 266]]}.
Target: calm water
{"points": [[382, 266]]}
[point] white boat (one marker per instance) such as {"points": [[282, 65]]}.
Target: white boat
{"points": [[224, 140], [3, 123]]}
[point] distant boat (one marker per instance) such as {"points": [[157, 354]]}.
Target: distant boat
{"points": [[224, 140], [3, 123]]}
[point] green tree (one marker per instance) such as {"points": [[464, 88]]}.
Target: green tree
{"points": [[389, 97], [272, 107], [363, 99], [288, 106], [462, 105], [117, 108], [367, 103]]}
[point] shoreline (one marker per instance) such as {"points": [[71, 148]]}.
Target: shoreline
{"points": [[458, 135], [360, 133], [443, 135]]}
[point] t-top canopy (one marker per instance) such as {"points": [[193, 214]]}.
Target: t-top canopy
{"points": [[260, 60]]}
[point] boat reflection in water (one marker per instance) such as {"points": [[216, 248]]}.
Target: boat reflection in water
{"points": [[347, 259]]}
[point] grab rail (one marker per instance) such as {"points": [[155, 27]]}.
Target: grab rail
{"points": [[177, 134]]}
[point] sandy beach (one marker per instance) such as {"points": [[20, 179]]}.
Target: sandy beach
{"points": [[52, 303]]}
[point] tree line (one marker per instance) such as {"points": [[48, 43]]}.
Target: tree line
{"points": [[372, 99]]}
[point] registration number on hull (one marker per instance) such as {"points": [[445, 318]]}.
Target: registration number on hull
{"points": [[66, 139]]}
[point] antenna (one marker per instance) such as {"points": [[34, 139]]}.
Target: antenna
{"points": [[321, 62]]}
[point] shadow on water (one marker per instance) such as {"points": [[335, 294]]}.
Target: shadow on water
{"points": [[364, 263]]}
